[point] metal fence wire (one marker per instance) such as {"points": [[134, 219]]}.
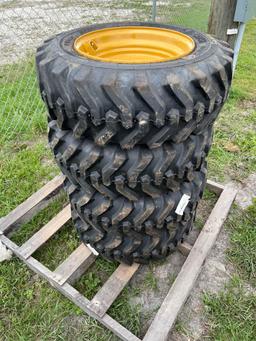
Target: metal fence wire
{"points": [[24, 24]]}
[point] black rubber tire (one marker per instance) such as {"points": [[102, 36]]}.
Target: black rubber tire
{"points": [[113, 172], [135, 231], [132, 139], [133, 104]]}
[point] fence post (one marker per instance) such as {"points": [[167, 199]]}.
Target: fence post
{"points": [[153, 10], [221, 20]]}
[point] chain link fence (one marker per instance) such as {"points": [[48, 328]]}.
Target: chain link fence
{"points": [[24, 24], [192, 13]]}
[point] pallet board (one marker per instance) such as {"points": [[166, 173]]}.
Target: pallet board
{"points": [[75, 265], [183, 284], [32, 205], [82, 257], [104, 298], [47, 231]]}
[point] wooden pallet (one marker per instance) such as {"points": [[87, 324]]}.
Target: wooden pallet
{"points": [[78, 262]]}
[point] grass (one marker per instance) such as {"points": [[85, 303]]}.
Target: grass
{"points": [[24, 168], [242, 251], [21, 108], [150, 281], [243, 87], [29, 228], [233, 154], [231, 313], [31, 310], [192, 14]]}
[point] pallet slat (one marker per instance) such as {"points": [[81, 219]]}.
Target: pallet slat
{"points": [[28, 205], [71, 293], [185, 248], [176, 297], [104, 298], [75, 265], [214, 187], [48, 230], [81, 259], [34, 200]]}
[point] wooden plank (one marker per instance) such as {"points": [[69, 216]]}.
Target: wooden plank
{"points": [[31, 204], [185, 248], [214, 187], [75, 265], [71, 293], [104, 298], [221, 19], [176, 297], [41, 236]]}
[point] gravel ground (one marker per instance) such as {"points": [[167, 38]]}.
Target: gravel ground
{"points": [[25, 23]]}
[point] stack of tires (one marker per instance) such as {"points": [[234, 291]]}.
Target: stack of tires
{"points": [[132, 138]]}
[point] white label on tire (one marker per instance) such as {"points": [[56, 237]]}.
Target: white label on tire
{"points": [[96, 253], [182, 204]]}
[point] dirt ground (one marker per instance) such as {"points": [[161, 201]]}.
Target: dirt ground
{"points": [[215, 274]]}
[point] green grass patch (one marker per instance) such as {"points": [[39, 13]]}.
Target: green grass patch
{"points": [[31, 310], [243, 242], [243, 87], [95, 277], [126, 313], [233, 153], [193, 14], [24, 168], [22, 112], [231, 313], [40, 219], [205, 207], [150, 280], [122, 310], [57, 248], [209, 195]]}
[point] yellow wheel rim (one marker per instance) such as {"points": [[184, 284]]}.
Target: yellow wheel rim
{"points": [[134, 45]]}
